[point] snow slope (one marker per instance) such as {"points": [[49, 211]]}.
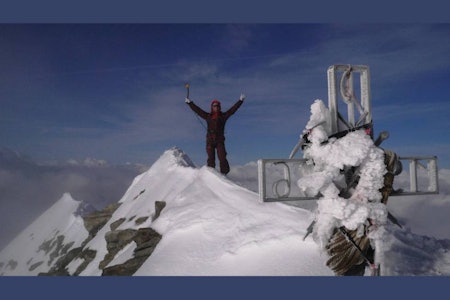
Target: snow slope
{"points": [[36, 248], [212, 226]]}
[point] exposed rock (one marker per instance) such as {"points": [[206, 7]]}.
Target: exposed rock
{"points": [[146, 240], [87, 255], [137, 196], [93, 222], [126, 269], [140, 220], [60, 267], [66, 247], [47, 245], [96, 220], [159, 206], [12, 264], [58, 246], [54, 248], [116, 224], [115, 241], [35, 265]]}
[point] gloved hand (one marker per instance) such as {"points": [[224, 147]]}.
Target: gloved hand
{"points": [[242, 97], [187, 100]]}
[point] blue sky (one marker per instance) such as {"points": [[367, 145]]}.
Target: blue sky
{"points": [[116, 91]]}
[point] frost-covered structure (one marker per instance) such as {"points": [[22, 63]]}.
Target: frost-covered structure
{"points": [[348, 174], [345, 169]]}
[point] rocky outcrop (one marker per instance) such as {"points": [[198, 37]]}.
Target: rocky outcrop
{"points": [[159, 206], [145, 240], [96, 220]]}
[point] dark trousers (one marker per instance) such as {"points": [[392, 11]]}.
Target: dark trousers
{"points": [[219, 146]]}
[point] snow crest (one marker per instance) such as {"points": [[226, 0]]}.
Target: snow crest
{"points": [[209, 226], [212, 226]]}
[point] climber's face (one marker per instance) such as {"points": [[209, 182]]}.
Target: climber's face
{"points": [[215, 106]]}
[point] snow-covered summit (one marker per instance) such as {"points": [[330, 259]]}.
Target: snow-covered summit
{"points": [[178, 219], [208, 226]]}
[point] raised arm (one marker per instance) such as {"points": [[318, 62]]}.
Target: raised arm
{"points": [[235, 107], [200, 112]]}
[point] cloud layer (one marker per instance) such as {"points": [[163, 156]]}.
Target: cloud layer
{"points": [[27, 189]]}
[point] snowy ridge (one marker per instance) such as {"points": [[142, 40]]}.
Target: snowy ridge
{"points": [[209, 226], [34, 250], [207, 223]]}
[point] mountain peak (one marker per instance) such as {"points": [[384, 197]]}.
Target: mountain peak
{"points": [[179, 220], [174, 157]]}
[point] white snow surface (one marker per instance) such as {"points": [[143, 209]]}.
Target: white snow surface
{"points": [[212, 226]]}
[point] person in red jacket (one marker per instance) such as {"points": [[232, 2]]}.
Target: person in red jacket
{"points": [[215, 137]]}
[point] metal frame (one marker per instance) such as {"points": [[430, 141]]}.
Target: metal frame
{"points": [[262, 163], [415, 162], [428, 163], [333, 72]]}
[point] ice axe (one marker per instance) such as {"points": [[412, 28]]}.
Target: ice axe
{"points": [[187, 89], [187, 97]]}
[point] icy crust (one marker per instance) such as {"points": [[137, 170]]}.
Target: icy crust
{"points": [[320, 115], [327, 158]]}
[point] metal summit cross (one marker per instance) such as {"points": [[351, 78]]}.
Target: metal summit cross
{"points": [[277, 177]]}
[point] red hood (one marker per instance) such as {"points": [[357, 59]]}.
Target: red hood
{"points": [[215, 101]]}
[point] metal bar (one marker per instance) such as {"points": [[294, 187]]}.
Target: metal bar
{"points": [[413, 175], [351, 106], [418, 193], [261, 180], [332, 98], [285, 199], [418, 157], [280, 160], [433, 174], [365, 93]]}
